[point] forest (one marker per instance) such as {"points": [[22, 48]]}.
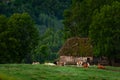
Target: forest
{"points": [[35, 30]]}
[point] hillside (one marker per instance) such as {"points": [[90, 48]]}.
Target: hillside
{"points": [[35, 7]]}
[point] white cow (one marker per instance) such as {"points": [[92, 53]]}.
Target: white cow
{"points": [[36, 63], [79, 63], [51, 64]]}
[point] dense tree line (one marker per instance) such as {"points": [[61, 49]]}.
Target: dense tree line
{"points": [[34, 7], [105, 31], [98, 20], [79, 16]]}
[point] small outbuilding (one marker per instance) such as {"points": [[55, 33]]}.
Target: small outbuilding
{"points": [[76, 49]]}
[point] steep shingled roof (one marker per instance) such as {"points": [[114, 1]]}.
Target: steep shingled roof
{"points": [[76, 46]]}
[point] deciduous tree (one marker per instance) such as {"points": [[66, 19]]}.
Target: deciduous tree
{"points": [[18, 39], [105, 31]]}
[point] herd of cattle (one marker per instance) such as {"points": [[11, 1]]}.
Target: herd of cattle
{"points": [[78, 64]]}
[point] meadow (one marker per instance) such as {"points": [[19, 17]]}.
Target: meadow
{"points": [[45, 72]]}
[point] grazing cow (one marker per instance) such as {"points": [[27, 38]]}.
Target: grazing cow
{"points": [[79, 63], [36, 63], [86, 64], [100, 66], [50, 64], [61, 63]]}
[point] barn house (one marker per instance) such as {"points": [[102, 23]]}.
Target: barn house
{"points": [[76, 49]]}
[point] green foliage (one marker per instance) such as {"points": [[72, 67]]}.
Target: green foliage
{"points": [[79, 16], [35, 7], [18, 38], [76, 19], [105, 31], [46, 14], [49, 44], [47, 21], [42, 54]]}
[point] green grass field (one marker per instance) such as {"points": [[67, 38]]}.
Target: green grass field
{"points": [[43, 72]]}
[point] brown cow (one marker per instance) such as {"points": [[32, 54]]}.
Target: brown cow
{"points": [[61, 63], [100, 66], [86, 64]]}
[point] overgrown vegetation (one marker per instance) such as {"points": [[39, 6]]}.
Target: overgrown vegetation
{"points": [[76, 46]]}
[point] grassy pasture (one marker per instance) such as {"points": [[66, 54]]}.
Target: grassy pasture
{"points": [[44, 72]]}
